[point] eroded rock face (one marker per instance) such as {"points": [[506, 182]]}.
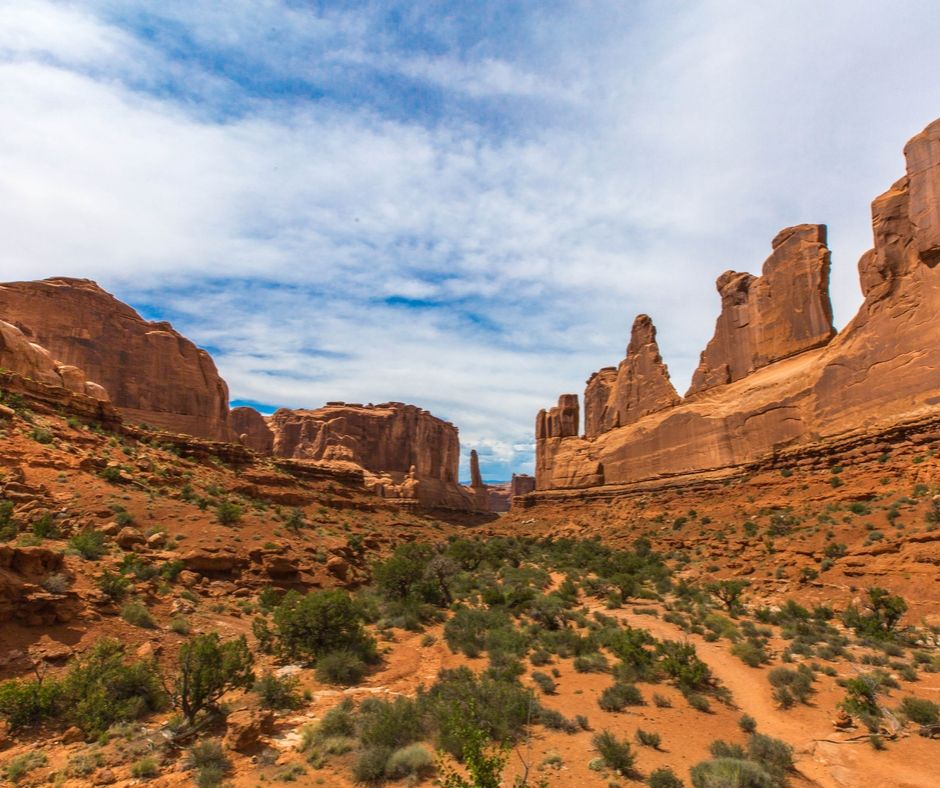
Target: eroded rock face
{"points": [[25, 358], [252, 430], [521, 484], [638, 387], [412, 454], [763, 319], [774, 375], [152, 373]]}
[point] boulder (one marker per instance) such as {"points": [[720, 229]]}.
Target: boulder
{"points": [[128, 538]]}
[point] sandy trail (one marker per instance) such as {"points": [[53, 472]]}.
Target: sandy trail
{"points": [[854, 765]]}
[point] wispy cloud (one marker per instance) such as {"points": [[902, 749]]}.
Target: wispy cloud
{"points": [[457, 205]]}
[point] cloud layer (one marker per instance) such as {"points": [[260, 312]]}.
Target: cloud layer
{"points": [[458, 208]]}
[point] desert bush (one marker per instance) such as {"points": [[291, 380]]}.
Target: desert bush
{"points": [[278, 692], [648, 738], [137, 614], [591, 663], [618, 696], [546, 683], [751, 652], [412, 760], [25, 702], [698, 702], [113, 585], [21, 765], [681, 663], [663, 778], [775, 756], [728, 592], [209, 761], [338, 721], [145, 768], [208, 668], [616, 754], [88, 544], [880, 617], [228, 512], [312, 625], [726, 772], [343, 666], [461, 701], [921, 710], [100, 689], [747, 723]]}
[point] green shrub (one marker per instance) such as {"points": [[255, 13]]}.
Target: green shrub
{"points": [[17, 768], [699, 702], [618, 696], [25, 702], [921, 710], [881, 615], [309, 626], [590, 663], [137, 614], [731, 773], [747, 723], [338, 721], [546, 683], [207, 670], [145, 768], [113, 585], [101, 689], [460, 701], [751, 652], [89, 544], [390, 724], [371, 763], [617, 755], [278, 692], [663, 778], [775, 756], [228, 513], [342, 667], [681, 663], [209, 761], [412, 760], [648, 738]]}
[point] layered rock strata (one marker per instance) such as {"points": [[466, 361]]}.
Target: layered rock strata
{"points": [[409, 454], [152, 374], [639, 386], [252, 430], [775, 376]]}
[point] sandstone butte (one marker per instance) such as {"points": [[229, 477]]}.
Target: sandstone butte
{"points": [[408, 454], [775, 376], [152, 374]]}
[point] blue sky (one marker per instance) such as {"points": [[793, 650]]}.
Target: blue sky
{"points": [[460, 205]]}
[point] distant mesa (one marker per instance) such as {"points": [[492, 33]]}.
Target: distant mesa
{"points": [[775, 375], [407, 453]]}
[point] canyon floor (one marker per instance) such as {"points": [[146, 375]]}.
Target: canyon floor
{"points": [[561, 607]]}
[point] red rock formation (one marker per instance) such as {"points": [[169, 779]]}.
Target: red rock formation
{"points": [[29, 360], [764, 319], [560, 421], [252, 430], [477, 487], [521, 484], [790, 385], [639, 386], [388, 440], [152, 373]]}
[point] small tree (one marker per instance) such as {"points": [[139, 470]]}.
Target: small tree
{"points": [[208, 669], [883, 612], [728, 592], [320, 622]]}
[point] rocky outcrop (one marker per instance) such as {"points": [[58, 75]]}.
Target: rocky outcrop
{"points": [[477, 487], [152, 373], [521, 484], [774, 378], [409, 454], [638, 387], [770, 317], [252, 430], [29, 360], [561, 421]]}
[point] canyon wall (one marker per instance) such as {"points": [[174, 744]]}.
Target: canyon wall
{"points": [[152, 373], [775, 375], [410, 454], [252, 430]]}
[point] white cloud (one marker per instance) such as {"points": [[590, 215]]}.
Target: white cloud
{"points": [[613, 162]]}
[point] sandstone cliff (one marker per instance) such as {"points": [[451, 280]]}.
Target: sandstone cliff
{"points": [[775, 376], [152, 373], [25, 358], [638, 387], [410, 454], [252, 430]]}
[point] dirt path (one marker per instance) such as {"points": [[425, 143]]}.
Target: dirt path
{"points": [[907, 764]]}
